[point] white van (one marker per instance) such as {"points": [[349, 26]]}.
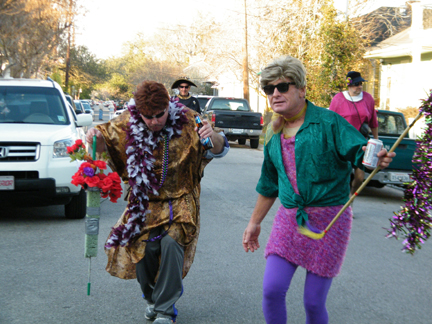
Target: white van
{"points": [[36, 126]]}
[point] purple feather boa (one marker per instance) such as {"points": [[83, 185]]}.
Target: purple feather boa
{"points": [[141, 143]]}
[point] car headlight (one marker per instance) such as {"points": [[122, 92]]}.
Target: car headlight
{"points": [[59, 149]]}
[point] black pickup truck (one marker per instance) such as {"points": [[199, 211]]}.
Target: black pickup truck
{"points": [[235, 117]]}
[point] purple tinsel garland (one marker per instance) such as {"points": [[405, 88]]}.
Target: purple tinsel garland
{"points": [[414, 222], [141, 143]]}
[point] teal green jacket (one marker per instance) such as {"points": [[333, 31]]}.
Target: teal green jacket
{"points": [[326, 147]]}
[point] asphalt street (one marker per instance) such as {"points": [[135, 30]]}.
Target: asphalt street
{"points": [[43, 272]]}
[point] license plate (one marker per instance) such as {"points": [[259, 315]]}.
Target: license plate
{"points": [[403, 177], [237, 131], [7, 183]]}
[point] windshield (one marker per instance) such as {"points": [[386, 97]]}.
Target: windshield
{"points": [[229, 104], [86, 106], [32, 105], [78, 104], [72, 103], [392, 125], [203, 101], [72, 111]]}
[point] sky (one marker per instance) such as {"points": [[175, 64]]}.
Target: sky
{"points": [[108, 24]]}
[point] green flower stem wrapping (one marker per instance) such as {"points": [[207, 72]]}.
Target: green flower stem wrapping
{"points": [[93, 204]]}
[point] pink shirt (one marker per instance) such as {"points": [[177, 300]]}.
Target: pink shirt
{"points": [[347, 110]]}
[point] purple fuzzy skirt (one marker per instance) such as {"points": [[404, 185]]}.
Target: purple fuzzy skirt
{"points": [[323, 257]]}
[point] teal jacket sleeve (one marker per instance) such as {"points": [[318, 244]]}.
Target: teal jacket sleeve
{"points": [[268, 182]]}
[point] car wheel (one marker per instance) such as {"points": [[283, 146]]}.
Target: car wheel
{"points": [[76, 209], [242, 141], [254, 142]]}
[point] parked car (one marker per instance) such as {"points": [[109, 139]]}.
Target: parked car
{"points": [[87, 108], [36, 127], [80, 130], [69, 99], [79, 107], [119, 112], [203, 100], [235, 117], [391, 125]]}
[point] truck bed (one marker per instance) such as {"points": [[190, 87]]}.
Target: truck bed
{"points": [[237, 119], [390, 125], [404, 152]]}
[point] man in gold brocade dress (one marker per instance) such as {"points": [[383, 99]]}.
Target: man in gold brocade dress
{"points": [[155, 147]]}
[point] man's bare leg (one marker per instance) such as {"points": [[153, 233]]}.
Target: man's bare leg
{"points": [[357, 181]]}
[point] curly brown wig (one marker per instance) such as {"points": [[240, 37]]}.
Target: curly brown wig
{"points": [[151, 97]]}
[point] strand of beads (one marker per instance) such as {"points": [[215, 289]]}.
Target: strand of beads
{"points": [[165, 159]]}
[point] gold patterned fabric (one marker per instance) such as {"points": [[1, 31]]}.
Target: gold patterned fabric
{"points": [[181, 186]]}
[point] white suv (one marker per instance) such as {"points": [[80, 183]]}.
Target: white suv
{"points": [[36, 126]]}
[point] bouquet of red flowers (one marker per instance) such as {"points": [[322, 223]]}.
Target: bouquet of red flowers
{"points": [[91, 174]]}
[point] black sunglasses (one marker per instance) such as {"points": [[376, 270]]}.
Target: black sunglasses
{"points": [[184, 87], [154, 116], [357, 84], [281, 87]]}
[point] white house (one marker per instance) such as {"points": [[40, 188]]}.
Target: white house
{"points": [[405, 67]]}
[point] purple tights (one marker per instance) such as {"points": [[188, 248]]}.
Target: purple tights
{"points": [[277, 278]]}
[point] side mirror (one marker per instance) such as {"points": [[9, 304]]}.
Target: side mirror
{"points": [[84, 120]]}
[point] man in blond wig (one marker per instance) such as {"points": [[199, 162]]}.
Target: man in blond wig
{"points": [[308, 154]]}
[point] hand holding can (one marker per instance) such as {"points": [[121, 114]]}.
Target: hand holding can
{"points": [[206, 142], [370, 158]]}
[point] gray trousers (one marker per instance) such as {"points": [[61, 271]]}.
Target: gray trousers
{"points": [[168, 288]]}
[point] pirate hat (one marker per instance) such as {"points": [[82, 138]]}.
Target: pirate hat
{"points": [[182, 80]]}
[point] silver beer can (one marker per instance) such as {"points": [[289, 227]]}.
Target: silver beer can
{"points": [[370, 158]]}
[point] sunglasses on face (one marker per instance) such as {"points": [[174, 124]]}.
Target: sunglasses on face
{"points": [[154, 116], [357, 84], [281, 87], [184, 87]]}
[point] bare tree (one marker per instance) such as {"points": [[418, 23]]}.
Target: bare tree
{"points": [[295, 28], [379, 24], [30, 31]]}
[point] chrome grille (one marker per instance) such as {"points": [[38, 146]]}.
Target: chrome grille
{"points": [[19, 152]]}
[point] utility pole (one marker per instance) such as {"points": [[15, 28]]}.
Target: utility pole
{"points": [[245, 62], [67, 60], [69, 22], [347, 10]]}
